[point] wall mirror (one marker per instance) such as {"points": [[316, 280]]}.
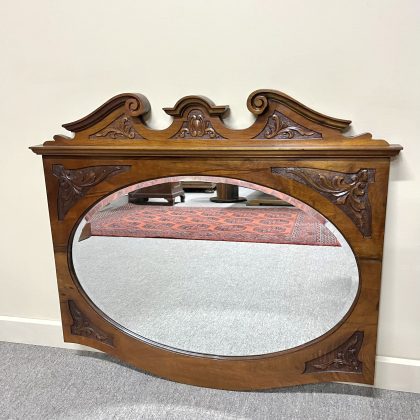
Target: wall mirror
{"points": [[233, 259]]}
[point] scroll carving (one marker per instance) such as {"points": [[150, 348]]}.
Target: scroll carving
{"points": [[280, 127], [347, 190], [259, 102], [121, 128], [134, 105], [75, 183], [197, 126], [84, 327], [342, 359]]}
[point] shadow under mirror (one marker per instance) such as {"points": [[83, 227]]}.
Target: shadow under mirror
{"points": [[214, 266]]}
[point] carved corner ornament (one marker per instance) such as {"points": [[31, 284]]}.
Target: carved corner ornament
{"points": [[342, 359], [84, 327], [348, 190], [197, 126], [75, 183], [280, 127], [121, 128]]}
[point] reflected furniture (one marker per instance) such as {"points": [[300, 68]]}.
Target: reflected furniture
{"points": [[227, 193], [290, 149], [193, 186], [265, 200], [168, 191]]}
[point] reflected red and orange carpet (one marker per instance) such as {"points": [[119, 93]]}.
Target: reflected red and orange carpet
{"points": [[234, 224]]}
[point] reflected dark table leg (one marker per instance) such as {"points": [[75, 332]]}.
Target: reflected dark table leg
{"points": [[227, 193]]}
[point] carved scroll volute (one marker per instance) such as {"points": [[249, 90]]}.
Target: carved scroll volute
{"points": [[284, 118], [131, 104], [259, 103], [112, 120]]}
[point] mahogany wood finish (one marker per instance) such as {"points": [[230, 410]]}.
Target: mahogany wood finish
{"points": [[290, 148]]}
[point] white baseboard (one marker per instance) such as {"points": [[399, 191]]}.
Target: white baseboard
{"points": [[40, 332], [397, 374], [391, 372]]}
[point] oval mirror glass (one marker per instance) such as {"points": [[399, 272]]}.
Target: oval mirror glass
{"points": [[214, 266]]}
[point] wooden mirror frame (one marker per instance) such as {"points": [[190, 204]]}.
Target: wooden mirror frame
{"points": [[289, 148]]}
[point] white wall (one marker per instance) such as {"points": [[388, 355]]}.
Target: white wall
{"points": [[352, 59]]}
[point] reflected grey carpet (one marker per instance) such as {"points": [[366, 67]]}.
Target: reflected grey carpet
{"points": [[225, 298], [48, 383]]}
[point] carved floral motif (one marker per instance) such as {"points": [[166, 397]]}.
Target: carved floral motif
{"points": [[342, 359], [75, 183], [84, 327], [197, 127], [280, 127], [348, 190], [121, 128]]}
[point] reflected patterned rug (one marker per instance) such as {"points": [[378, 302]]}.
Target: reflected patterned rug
{"points": [[234, 224]]}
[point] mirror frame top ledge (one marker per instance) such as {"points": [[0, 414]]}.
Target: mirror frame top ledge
{"points": [[289, 148]]}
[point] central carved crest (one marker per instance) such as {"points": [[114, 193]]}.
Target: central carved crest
{"points": [[197, 126]]}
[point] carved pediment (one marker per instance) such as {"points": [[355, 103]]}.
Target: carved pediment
{"points": [[281, 121]]}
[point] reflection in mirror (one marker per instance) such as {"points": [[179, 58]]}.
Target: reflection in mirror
{"points": [[214, 265]]}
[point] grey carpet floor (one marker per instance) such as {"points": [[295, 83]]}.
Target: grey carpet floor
{"points": [[49, 383]]}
